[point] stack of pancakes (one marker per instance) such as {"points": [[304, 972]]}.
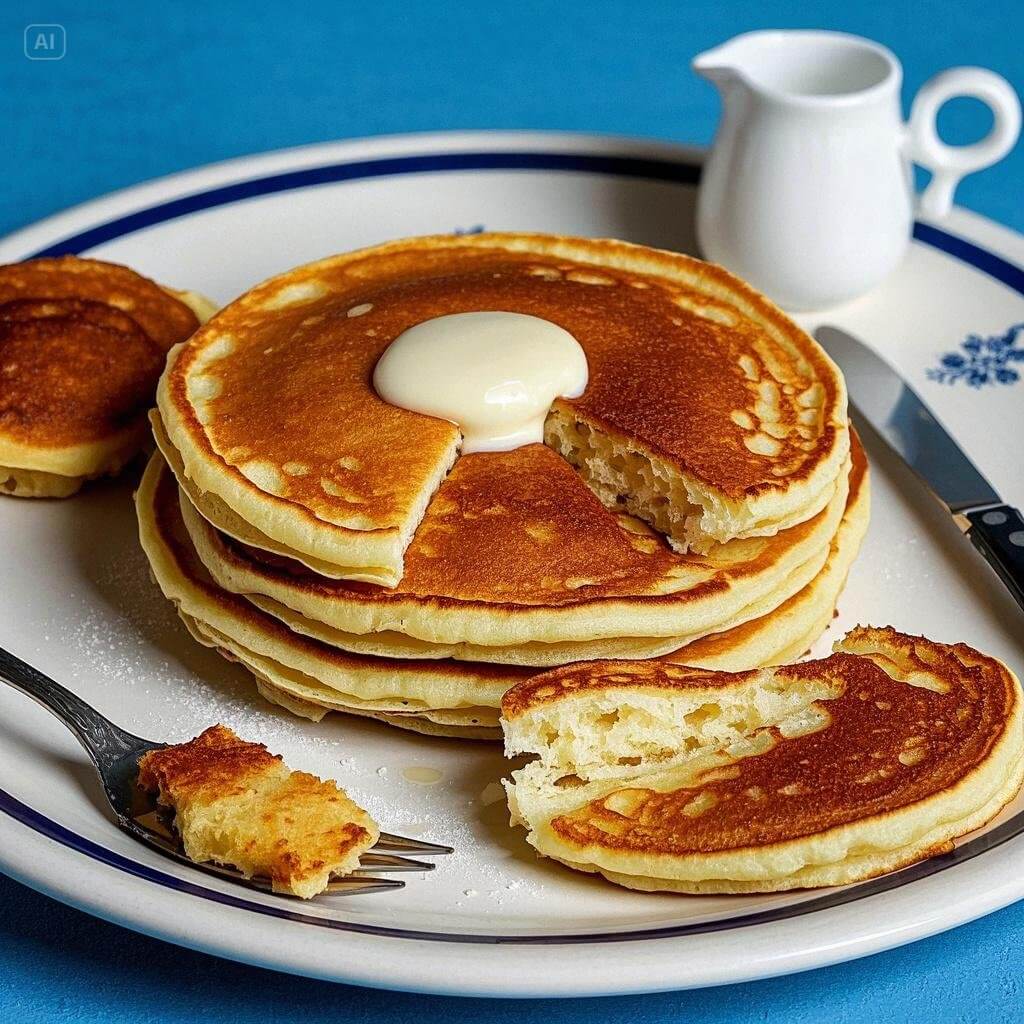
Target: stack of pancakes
{"points": [[701, 502]]}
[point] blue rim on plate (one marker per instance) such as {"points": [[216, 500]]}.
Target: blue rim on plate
{"points": [[681, 172]]}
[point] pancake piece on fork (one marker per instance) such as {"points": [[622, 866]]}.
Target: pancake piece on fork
{"points": [[82, 344], [708, 413], [816, 774], [238, 805]]}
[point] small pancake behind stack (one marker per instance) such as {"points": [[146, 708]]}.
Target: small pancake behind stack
{"points": [[822, 773], [82, 344]]}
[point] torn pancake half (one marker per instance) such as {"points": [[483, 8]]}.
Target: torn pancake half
{"points": [[816, 774]]}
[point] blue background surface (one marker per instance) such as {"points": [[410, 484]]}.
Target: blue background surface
{"points": [[148, 89]]}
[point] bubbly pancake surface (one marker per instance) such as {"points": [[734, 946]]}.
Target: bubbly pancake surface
{"points": [[272, 407], [68, 379], [164, 318]]}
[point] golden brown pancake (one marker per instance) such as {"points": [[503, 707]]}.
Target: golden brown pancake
{"points": [[820, 773], [68, 380], [82, 344], [164, 318], [272, 409]]}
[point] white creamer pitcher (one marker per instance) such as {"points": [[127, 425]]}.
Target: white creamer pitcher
{"points": [[807, 192]]}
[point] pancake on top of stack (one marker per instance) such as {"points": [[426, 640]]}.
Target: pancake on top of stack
{"points": [[719, 416], [701, 481], [82, 344], [823, 773]]}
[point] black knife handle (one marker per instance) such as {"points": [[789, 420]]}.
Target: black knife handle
{"points": [[998, 533]]}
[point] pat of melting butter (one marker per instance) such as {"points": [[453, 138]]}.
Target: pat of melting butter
{"points": [[493, 374]]}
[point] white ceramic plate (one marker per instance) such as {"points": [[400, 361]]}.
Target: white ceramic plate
{"points": [[491, 920]]}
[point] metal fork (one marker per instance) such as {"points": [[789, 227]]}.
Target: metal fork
{"points": [[116, 753]]}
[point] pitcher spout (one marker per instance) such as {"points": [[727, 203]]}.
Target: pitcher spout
{"points": [[718, 64], [730, 61]]}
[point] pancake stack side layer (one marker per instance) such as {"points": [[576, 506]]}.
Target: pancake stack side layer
{"points": [[701, 502]]}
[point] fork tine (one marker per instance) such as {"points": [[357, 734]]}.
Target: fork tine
{"points": [[391, 862], [389, 841], [357, 885], [349, 885]]}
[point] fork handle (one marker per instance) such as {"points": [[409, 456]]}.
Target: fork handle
{"points": [[96, 733]]}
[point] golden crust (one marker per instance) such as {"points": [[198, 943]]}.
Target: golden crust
{"points": [[163, 317], [214, 765], [686, 363], [306, 676], [238, 804], [98, 313], [68, 380], [917, 743]]}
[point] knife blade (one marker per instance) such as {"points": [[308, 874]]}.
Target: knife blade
{"points": [[908, 426]]}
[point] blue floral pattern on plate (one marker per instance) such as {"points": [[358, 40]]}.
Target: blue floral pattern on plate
{"points": [[983, 361]]}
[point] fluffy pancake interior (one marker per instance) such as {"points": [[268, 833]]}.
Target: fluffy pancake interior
{"points": [[691, 516], [235, 803], [643, 719], [906, 745]]}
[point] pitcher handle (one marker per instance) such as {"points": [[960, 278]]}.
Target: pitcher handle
{"points": [[949, 164]]}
